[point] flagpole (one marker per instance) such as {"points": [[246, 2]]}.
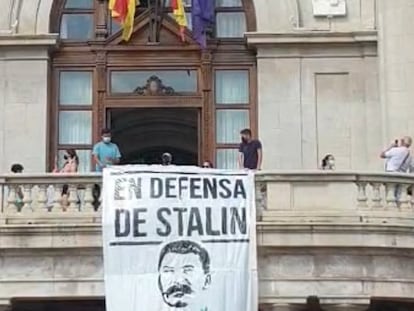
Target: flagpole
{"points": [[152, 25], [161, 18]]}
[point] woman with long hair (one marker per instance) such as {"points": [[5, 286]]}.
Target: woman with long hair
{"points": [[70, 166], [328, 163], [71, 163]]}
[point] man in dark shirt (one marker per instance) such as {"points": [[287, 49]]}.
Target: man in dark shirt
{"points": [[250, 151]]}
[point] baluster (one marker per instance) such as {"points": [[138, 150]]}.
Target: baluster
{"points": [[412, 196], [73, 198], [88, 199], [57, 202], [362, 195], [42, 198], [11, 200], [376, 196], [390, 195], [3, 199], [27, 198], [403, 203], [100, 198], [261, 193]]}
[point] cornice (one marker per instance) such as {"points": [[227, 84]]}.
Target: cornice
{"points": [[28, 40], [313, 44], [310, 37]]}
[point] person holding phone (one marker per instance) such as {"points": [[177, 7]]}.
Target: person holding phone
{"points": [[398, 156], [398, 159]]}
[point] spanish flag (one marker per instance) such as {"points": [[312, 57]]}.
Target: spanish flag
{"points": [[179, 15], [123, 11]]}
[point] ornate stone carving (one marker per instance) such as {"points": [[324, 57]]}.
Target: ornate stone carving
{"points": [[13, 17], [154, 87]]}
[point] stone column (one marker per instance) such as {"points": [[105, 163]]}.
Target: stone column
{"points": [[396, 60], [24, 67]]}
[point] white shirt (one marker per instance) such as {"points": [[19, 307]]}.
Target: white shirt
{"points": [[397, 159]]}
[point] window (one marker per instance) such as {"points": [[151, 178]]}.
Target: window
{"points": [[232, 102], [139, 82], [77, 20], [75, 88], [230, 19], [75, 115], [79, 4], [227, 158], [113, 25]]}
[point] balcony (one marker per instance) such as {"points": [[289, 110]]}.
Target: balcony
{"points": [[341, 236]]}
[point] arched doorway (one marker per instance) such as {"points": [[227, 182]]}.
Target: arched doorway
{"points": [[161, 96]]}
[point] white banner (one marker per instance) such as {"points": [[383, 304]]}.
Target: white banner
{"points": [[179, 238]]}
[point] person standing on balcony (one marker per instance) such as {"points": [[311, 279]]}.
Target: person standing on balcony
{"points": [[105, 153], [398, 159], [70, 166], [250, 151], [328, 163], [207, 164], [166, 159], [71, 163], [397, 156], [18, 169]]}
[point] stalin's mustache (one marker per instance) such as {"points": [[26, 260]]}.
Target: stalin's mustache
{"points": [[181, 289]]}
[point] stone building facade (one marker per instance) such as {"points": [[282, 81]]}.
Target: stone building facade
{"points": [[335, 84]]}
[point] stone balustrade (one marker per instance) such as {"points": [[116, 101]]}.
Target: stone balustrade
{"points": [[281, 196], [324, 196], [50, 198], [342, 236]]}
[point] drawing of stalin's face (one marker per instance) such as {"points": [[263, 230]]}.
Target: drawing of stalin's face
{"points": [[184, 272]]}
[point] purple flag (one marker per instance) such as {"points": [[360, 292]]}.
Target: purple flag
{"points": [[202, 16]]}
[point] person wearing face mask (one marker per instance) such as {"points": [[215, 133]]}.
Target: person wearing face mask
{"points": [[328, 162], [105, 153], [70, 166], [71, 163], [250, 151]]}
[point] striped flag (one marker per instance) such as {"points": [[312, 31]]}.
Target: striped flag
{"points": [[123, 11], [179, 15]]}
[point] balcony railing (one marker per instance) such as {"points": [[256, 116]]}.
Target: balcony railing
{"points": [[281, 196], [325, 196], [339, 235]]}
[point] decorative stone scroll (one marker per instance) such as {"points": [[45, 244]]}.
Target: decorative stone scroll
{"points": [[154, 87]]}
